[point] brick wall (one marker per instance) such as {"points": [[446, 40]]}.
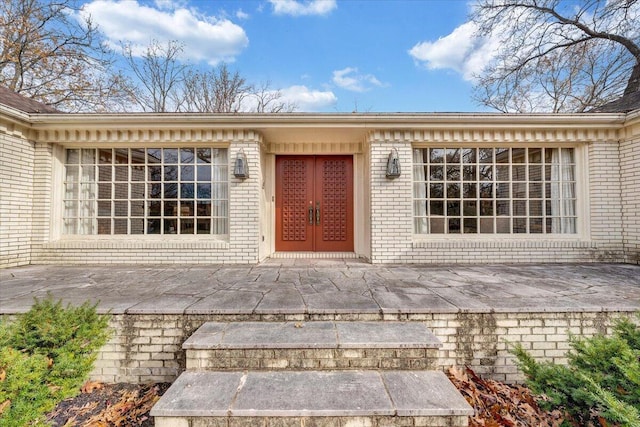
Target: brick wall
{"points": [[16, 199], [605, 205], [241, 247], [630, 185], [391, 201], [147, 348], [392, 223]]}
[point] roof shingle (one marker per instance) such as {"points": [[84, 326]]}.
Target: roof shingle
{"points": [[22, 103]]}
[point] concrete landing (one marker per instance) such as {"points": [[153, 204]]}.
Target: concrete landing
{"points": [[302, 335], [309, 394], [315, 288]]}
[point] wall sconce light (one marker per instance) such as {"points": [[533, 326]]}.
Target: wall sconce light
{"points": [[393, 164], [241, 167]]}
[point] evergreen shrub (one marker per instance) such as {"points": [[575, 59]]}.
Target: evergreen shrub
{"points": [[45, 356], [600, 386]]}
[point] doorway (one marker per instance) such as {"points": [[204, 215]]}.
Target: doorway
{"points": [[314, 203]]}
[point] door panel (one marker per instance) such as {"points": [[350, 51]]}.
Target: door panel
{"points": [[334, 190], [314, 203], [294, 194]]}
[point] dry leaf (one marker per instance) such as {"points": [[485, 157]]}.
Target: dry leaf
{"points": [[90, 386], [3, 374], [299, 325], [500, 405], [4, 405]]}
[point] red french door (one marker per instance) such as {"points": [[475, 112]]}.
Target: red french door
{"points": [[314, 203]]}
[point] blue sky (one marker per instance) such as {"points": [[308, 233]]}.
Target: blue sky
{"points": [[324, 55]]}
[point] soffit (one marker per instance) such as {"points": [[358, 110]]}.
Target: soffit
{"points": [[310, 129]]}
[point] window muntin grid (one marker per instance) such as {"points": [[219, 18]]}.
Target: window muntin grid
{"points": [[511, 190], [146, 191]]}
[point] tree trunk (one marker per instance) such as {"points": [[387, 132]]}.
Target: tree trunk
{"points": [[633, 85]]}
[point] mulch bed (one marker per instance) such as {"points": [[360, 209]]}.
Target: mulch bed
{"points": [[106, 405], [126, 405]]}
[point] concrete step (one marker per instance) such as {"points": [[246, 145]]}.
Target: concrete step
{"points": [[312, 398], [311, 345]]}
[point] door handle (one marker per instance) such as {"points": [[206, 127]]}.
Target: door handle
{"points": [[317, 213], [310, 214]]}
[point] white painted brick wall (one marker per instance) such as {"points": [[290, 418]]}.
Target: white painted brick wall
{"points": [[16, 200], [630, 184], [242, 247], [391, 203], [605, 201], [147, 348]]}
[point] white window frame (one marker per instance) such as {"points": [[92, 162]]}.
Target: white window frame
{"points": [[221, 169], [581, 198]]}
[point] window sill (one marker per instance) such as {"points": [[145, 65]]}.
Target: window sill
{"points": [[139, 242], [502, 242]]}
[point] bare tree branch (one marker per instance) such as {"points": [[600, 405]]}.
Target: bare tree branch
{"points": [[47, 54], [159, 74], [567, 57]]}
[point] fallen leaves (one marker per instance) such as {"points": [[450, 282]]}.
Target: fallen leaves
{"points": [[4, 405], [500, 405], [100, 405], [90, 386]]}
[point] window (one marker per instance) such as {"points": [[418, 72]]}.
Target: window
{"points": [[494, 190], [146, 191]]}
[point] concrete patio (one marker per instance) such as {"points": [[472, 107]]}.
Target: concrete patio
{"points": [[307, 287]]}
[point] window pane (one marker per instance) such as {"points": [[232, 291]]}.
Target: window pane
{"points": [[88, 156], [137, 173], [469, 191], [469, 155], [485, 155], [105, 157], [204, 173], [204, 155], [453, 173], [436, 155], [137, 226], [154, 155], [170, 156], [154, 226], [120, 226], [518, 155], [453, 155], [121, 156], [436, 191], [436, 208], [137, 157], [470, 173], [436, 173], [187, 155], [470, 225], [204, 226], [453, 190]]}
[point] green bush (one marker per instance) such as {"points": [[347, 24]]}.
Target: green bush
{"points": [[45, 356], [600, 382]]}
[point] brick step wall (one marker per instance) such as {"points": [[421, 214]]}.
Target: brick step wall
{"points": [[324, 373], [311, 345]]}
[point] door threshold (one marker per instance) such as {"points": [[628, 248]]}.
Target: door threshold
{"points": [[314, 255]]}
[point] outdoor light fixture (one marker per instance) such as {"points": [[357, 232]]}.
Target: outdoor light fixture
{"points": [[241, 167], [393, 164]]}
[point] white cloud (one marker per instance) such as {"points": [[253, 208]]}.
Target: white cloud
{"points": [[303, 7], [205, 38], [240, 14], [349, 79], [461, 51], [308, 99]]}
